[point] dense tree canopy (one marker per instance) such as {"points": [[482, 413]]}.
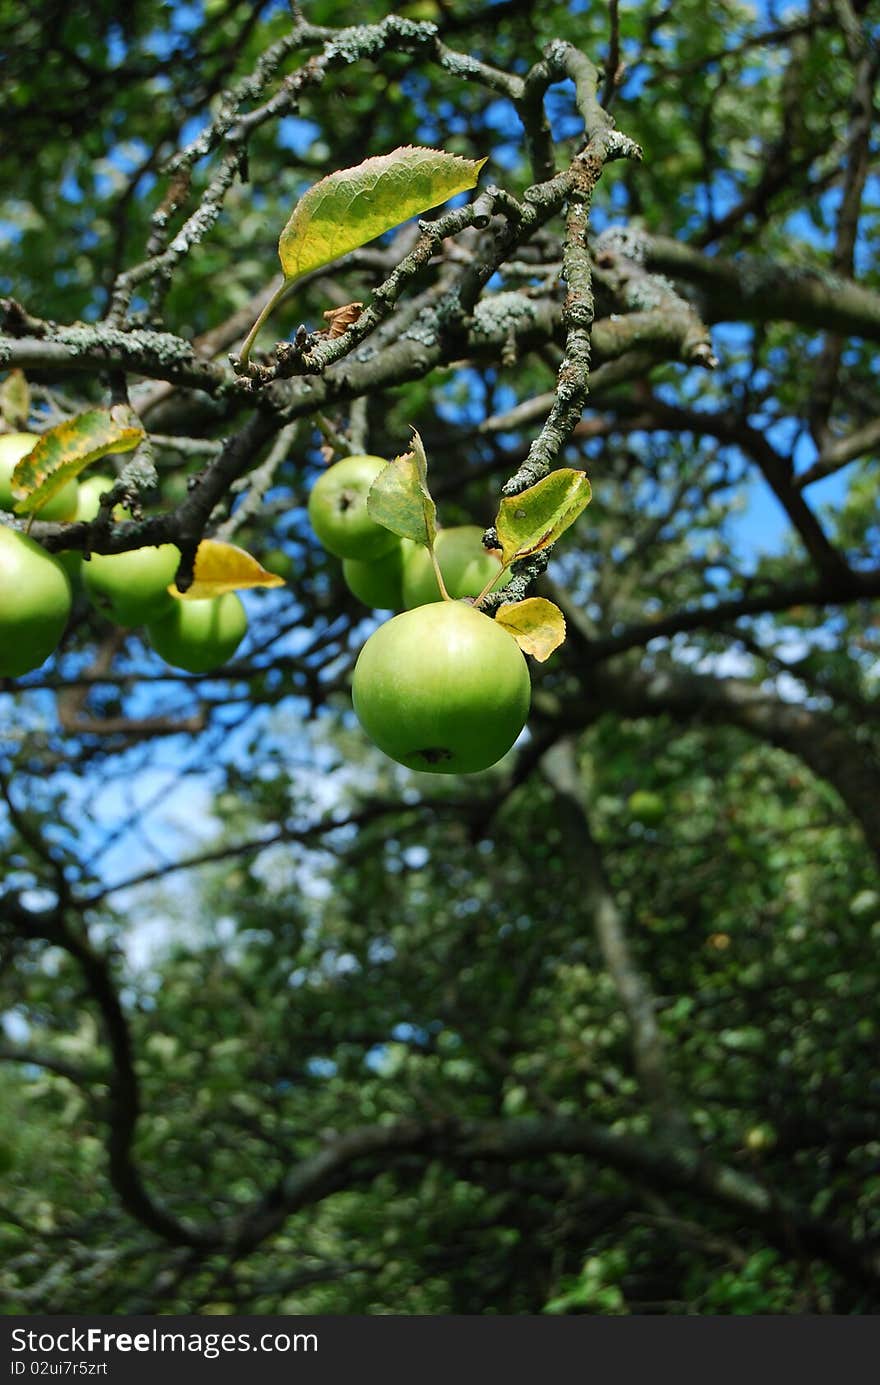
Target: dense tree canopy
{"points": [[286, 1027]]}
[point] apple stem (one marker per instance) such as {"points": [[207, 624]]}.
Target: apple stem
{"points": [[247, 344], [478, 600], [439, 575]]}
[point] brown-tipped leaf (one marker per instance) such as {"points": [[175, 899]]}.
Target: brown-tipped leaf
{"points": [[222, 567], [354, 205], [537, 625], [65, 450], [399, 498], [536, 517]]}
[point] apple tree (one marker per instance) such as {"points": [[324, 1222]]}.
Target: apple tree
{"points": [[511, 368]]}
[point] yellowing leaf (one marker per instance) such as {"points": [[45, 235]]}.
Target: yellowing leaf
{"points": [[400, 500], [537, 625], [536, 517], [15, 399], [65, 450], [222, 567], [354, 205]]}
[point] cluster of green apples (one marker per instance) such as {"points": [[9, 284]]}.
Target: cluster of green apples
{"points": [[382, 570], [440, 687], [131, 589], [35, 590]]}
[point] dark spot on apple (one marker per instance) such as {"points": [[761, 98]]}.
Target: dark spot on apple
{"points": [[433, 754], [346, 500]]}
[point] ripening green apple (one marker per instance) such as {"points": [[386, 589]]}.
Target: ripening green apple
{"points": [[646, 807], [378, 583], [338, 510], [132, 588], [466, 566], [442, 688], [88, 503], [760, 1137], [199, 636], [34, 603], [91, 488], [279, 562], [14, 446]]}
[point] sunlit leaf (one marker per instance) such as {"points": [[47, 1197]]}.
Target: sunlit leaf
{"points": [[537, 625], [222, 567], [67, 449], [400, 500], [354, 205], [536, 517]]}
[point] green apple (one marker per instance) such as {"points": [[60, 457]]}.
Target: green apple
{"points": [[338, 510], [200, 635], [646, 807], [760, 1137], [88, 504], [466, 566], [442, 688], [380, 583], [34, 603], [14, 446], [278, 562], [91, 488], [132, 588]]}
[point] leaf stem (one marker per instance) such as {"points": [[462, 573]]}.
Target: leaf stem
{"points": [[439, 575], [478, 600], [280, 292]]}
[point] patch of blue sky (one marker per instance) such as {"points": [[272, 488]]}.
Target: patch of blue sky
{"points": [[565, 121], [803, 225], [171, 812], [434, 128], [297, 134], [17, 1029], [460, 400], [321, 1067], [504, 397], [70, 189], [187, 16], [633, 84], [117, 48], [375, 1058], [506, 154], [506, 148], [128, 154], [406, 1033]]}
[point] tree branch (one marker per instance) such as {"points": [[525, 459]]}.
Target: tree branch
{"points": [[764, 290], [600, 907]]}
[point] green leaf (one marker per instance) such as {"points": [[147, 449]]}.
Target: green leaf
{"points": [[537, 625], [354, 205], [400, 500], [65, 450], [15, 399], [536, 517]]}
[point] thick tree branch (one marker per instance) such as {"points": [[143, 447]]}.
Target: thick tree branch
{"points": [[124, 1103], [764, 290], [366, 1151], [560, 768], [849, 763]]}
